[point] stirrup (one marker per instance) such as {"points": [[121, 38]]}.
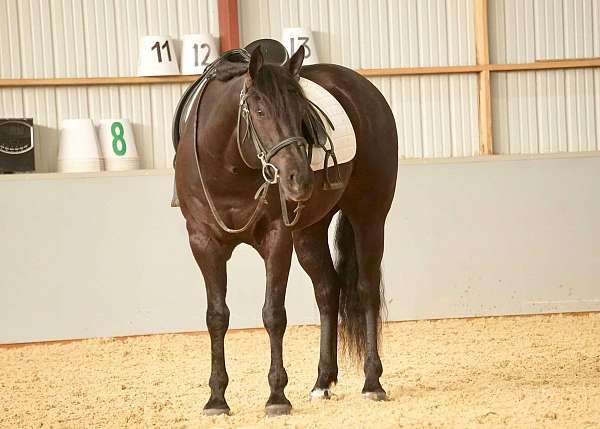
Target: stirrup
{"points": [[328, 184], [332, 186]]}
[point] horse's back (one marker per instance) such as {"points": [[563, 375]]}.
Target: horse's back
{"points": [[376, 161]]}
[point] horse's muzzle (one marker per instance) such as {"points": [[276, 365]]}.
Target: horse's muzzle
{"points": [[298, 184]]}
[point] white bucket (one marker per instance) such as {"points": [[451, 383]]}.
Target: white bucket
{"points": [[118, 145], [197, 52], [293, 37], [157, 57], [78, 147]]}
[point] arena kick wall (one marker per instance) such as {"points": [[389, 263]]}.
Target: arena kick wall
{"points": [[507, 233], [86, 256]]}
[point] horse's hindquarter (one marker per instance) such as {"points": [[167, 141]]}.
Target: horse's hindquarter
{"points": [[376, 162]]}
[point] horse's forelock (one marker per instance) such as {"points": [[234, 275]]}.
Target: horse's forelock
{"points": [[274, 83]]}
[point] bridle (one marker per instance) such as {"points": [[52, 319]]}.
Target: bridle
{"points": [[270, 172]]}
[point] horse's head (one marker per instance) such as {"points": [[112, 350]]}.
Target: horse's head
{"points": [[276, 106]]}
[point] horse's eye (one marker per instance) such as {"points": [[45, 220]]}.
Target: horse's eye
{"points": [[260, 113]]}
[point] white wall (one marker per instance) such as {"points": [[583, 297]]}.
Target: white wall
{"points": [[436, 116], [103, 256], [93, 38], [525, 31], [371, 34], [545, 111]]}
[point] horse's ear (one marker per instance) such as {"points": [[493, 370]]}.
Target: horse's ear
{"points": [[256, 62], [296, 61]]}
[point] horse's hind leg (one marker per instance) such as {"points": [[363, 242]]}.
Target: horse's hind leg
{"points": [[364, 230], [313, 254], [212, 258], [276, 250], [369, 253]]}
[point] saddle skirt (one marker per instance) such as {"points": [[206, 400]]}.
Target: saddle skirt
{"points": [[342, 135]]}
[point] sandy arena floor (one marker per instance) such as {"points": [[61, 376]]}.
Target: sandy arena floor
{"points": [[541, 371]]}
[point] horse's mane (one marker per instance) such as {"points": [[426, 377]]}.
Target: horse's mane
{"points": [[264, 83], [227, 70]]}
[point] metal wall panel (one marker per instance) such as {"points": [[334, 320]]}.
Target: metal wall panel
{"points": [[89, 38], [371, 33], [546, 111], [93, 38], [436, 116], [524, 31]]}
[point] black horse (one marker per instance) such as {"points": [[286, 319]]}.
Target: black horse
{"points": [[248, 133]]}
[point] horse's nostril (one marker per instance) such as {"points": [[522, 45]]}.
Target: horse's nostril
{"points": [[292, 177]]}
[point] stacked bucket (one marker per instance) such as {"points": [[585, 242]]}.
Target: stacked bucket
{"points": [[84, 147]]}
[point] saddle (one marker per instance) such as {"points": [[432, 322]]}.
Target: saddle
{"points": [[314, 124]]}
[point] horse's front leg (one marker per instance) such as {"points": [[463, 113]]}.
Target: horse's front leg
{"points": [[212, 257], [276, 250], [313, 254]]}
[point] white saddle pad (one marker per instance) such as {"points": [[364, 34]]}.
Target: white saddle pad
{"points": [[343, 137]]}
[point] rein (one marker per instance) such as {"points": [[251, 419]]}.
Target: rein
{"points": [[270, 172]]}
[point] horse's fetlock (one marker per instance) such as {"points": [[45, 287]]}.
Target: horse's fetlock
{"points": [[278, 378], [218, 381], [373, 366]]}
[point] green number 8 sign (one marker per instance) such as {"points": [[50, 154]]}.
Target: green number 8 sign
{"points": [[119, 145]]}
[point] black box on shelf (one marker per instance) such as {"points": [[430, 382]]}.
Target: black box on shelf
{"points": [[16, 145]]}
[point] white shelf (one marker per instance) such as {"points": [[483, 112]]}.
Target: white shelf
{"points": [[171, 171], [88, 175]]}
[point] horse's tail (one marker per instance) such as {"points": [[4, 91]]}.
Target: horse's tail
{"points": [[353, 326]]}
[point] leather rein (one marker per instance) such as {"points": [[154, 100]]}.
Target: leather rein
{"points": [[270, 172]]}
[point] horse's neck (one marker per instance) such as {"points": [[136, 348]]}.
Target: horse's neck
{"points": [[219, 144]]}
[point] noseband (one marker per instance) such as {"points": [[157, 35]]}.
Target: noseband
{"points": [[270, 172]]}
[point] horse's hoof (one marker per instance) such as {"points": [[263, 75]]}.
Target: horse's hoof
{"points": [[375, 396], [216, 411], [275, 410], [318, 394]]}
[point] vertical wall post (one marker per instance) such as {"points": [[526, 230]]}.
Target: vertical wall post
{"points": [[482, 53], [229, 28]]}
